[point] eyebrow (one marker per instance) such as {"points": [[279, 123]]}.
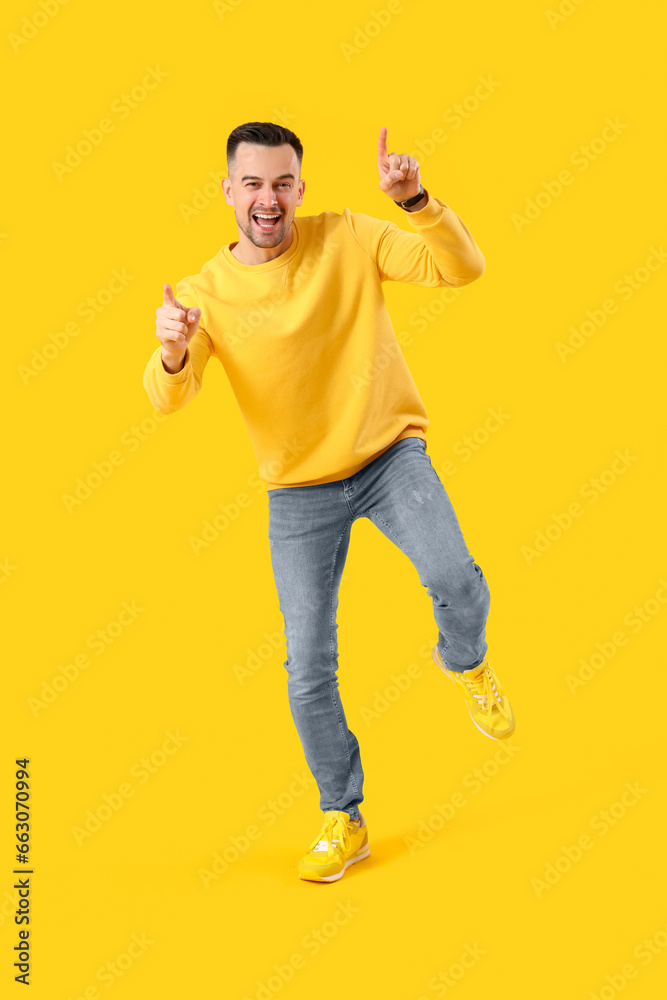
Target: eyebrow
{"points": [[253, 177]]}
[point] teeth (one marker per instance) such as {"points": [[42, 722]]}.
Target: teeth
{"points": [[265, 216]]}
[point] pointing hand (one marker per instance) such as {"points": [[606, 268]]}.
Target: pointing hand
{"points": [[176, 326], [399, 173]]}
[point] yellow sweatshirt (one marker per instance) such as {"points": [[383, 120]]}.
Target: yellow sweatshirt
{"points": [[307, 343]]}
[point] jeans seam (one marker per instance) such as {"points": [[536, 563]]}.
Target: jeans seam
{"points": [[371, 510], [332, 682]]}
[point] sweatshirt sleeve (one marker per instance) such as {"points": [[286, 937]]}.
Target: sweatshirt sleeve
{"points": [[441, 251], [168, 391]]}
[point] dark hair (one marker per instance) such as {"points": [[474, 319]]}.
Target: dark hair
{"points": [[261, 134]]}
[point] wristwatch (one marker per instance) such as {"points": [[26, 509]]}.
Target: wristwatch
{"points": [[412, 201]]}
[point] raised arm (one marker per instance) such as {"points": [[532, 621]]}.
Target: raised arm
{"points": [[442, 250]]}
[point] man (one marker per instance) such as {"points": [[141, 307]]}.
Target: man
{"points": [[295, 312]]}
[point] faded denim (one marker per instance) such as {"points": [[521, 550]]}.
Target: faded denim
{"points": [[309, 534]]}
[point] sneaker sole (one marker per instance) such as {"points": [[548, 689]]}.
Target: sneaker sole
{"points": [[500, 736], [333, 878]]}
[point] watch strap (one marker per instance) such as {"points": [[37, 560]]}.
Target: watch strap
{"points": [[411, 201]]}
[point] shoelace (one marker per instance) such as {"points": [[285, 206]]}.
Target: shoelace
{"points": [[333, 828], [483, 688]]}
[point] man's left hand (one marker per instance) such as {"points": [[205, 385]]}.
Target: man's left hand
{"points": [[399, 173]]}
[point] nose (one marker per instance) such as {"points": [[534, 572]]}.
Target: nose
{"points": [[269, 199]]}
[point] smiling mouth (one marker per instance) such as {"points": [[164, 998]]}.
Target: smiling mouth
{"points": [[266, 224]]}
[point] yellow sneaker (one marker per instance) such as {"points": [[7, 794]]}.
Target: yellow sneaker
{"points": [[338, 845], [488, 705]]}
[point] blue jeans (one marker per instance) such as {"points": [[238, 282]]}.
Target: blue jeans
{"points": [[309, 534]]}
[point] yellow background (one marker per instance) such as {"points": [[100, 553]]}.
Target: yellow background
{"points": [[407, 914]]}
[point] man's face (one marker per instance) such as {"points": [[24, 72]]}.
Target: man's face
{"points": [[264, 181]]}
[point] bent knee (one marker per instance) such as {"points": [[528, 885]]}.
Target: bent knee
{"points": [[465, 589]]}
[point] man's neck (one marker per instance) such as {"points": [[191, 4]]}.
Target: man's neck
{"points": [[272, 251]]}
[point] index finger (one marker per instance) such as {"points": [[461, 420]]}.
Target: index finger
{"points": [[382, 143]]}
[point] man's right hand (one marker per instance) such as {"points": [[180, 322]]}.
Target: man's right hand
{"points": [[176, 326]]}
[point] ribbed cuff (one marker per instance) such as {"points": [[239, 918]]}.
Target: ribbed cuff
{"points": [[429, 215], [172, 378]]}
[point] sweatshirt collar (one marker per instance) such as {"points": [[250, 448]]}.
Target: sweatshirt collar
{"points": [[269, 265]]}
